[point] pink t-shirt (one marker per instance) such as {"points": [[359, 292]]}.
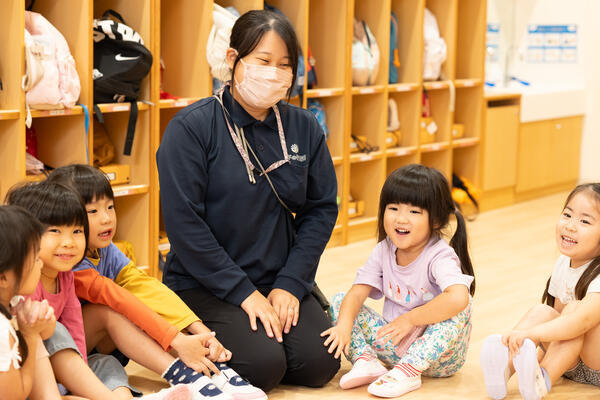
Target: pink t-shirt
{"points": [[410, 286], [67, 308]]}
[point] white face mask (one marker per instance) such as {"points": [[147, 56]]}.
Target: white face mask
{"points": [[263, 86]]}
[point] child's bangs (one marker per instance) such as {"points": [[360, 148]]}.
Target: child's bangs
{"points": [[408, 189], [89, 182], [65, 210]]}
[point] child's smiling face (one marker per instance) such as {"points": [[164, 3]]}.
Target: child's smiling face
{"points": [[578, 229], [407, 226], [62, 247], [103, 222]]}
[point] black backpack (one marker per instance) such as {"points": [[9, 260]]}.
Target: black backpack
{"points": [[121, 62]]}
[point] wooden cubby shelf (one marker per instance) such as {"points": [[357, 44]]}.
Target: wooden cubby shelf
{"points": [[178, 103], [9, 114], [312, 93], [120, 107], [76, 110], [176, 32]]}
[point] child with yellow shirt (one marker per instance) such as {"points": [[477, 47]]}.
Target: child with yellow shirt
{"points": [[104, 260]]}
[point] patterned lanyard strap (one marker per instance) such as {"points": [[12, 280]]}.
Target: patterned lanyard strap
{"points": [[239, 139]]}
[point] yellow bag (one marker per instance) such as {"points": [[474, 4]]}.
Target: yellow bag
{"points": [[104, 149]]}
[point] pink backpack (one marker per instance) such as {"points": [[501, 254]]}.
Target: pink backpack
{"points": [[47, 50]]}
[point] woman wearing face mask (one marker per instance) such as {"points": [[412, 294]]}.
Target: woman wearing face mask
{"points": [[248, 193]]}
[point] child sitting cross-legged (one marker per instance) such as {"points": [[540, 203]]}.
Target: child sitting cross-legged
{"points": [[104, 259], [426, 283]]}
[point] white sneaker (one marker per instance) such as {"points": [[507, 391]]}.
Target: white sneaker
{"points": [[204, 388], [363, 372], [230, 382], [532, 383], [494, 364], [395, 383], [177, 392]]}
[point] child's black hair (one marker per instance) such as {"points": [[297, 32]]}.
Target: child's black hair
{"points": [[20, 235], [88, 181], [52, 203], [593, 270], [427, 188]]}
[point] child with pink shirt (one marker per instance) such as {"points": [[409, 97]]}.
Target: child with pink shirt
{"points": [[427, 285]]}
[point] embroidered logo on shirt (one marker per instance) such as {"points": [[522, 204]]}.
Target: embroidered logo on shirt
{"points": [[296, 157]]}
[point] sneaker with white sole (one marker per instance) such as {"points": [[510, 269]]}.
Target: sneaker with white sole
{"points": [[395, 383], [494, 364], [364, 371], [205, 389], [230, 382], [177, 392], [532, 383]]}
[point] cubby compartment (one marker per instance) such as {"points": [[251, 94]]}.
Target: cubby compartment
{"points": [[376, 15], [445, 12], [467, 116], [327, 41], [366, 180], [61, 140], [465, 162], [334, 114], [408, 106], [12, 163], [137, 15], [410, 39], [115, 124], [183, 48], [440, 160], [297, 12], [242, 5], [11, 57], [470, 43], [393, 163], [71, 18], [369, 120], [439, 103], [133, 225]]}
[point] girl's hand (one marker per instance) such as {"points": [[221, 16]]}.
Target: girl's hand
{"points": [[257, 306], [395, 330], [514, 340], [217, 353], [286, 306], [34, 316], [194, 351], [338, 338]]}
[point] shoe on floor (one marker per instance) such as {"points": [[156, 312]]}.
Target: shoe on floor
{"points": [[395, 383], [177, 392], [532, 383], [494, 364], [204, 388], [230, 382], [363, 372]]}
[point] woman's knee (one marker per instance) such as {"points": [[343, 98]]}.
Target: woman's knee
{"points": [[314, 368], [265, 370]]}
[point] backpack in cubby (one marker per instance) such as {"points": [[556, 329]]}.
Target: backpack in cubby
{"points": [[317, 108], [51, 79], [365, 55], [394, 56], [121, 62]]}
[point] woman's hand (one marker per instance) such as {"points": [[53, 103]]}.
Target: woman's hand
{"points": [[395, 330], [514, 340], [194, 351], [286, 306], [257, 306], [339, 339]]}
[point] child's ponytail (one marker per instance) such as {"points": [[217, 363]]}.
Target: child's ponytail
{"points": [[459, 244]]}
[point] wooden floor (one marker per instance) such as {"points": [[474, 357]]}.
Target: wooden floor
{"points": [[513, 252]]}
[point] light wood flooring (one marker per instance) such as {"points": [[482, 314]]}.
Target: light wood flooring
{"points": [[513, 252]]}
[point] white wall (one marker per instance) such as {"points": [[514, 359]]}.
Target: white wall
{"points": [[584, 73]]}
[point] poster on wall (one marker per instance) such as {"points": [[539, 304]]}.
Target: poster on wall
{"points": [[552, 43], [493, 42]]}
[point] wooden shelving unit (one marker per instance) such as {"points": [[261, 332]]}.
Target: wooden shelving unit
{"points": [[177, 32]]}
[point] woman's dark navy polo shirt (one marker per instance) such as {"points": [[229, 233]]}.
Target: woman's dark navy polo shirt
{"points": [[232, 236]]}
